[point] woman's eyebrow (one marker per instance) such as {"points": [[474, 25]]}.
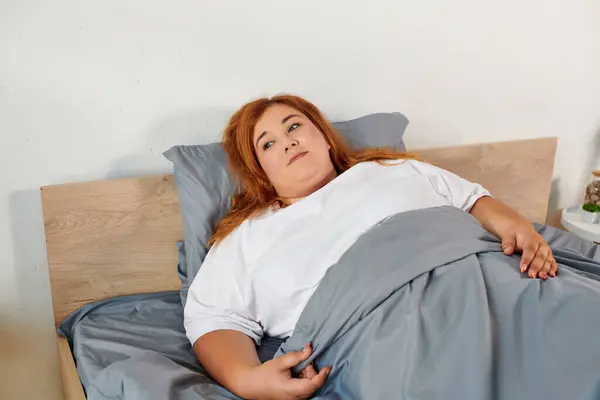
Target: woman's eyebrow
{"points": [[260, 137], [283, 121]]}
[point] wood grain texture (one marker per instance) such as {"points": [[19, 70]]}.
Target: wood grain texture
{"points": [[71, 384], [116, 237], [518, 173], [110, 238]]}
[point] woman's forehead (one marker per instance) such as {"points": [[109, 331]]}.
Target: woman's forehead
{"points": [[275, 116]]}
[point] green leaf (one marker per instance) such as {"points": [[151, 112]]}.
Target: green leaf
{"points": [[591, 207]]}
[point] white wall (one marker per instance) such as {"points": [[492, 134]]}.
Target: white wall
{"points": [[94, 90]]}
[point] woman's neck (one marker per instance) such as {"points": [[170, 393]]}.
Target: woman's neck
{"points": [[288, 201]]}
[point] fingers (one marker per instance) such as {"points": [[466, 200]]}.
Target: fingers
{"points": [[536, 258], [308, 372], [509, 243], [306, 387], [543, 265], [550, 268], [309, 381], [294, 358], [553, 268], [529, 252], [536, 265], [545, 271]]}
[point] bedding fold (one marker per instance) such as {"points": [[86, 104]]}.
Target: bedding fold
{"points": [[425, 305]]}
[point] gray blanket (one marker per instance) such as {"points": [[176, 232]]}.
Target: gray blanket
{"points": [[426, 306]]}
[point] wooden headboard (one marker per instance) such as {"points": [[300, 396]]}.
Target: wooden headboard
{"points": [[117, 237]]}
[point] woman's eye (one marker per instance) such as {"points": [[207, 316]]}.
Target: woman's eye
{"points": [[267, 145], [293, 127]]}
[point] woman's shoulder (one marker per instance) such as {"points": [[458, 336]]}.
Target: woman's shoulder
{"points": [[400, 164], [227, 251], [243, 236], [236, 236], [418, 166], [400, 168]]}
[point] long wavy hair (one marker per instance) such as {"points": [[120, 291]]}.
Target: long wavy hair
{"points": [[256, 193]]}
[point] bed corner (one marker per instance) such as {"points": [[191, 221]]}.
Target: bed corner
{"points": [[71, 385]]}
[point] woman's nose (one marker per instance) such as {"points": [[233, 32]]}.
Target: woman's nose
{"points": [[291, 144]]}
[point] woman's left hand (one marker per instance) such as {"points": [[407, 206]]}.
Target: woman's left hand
{"points": [[537, 259]]}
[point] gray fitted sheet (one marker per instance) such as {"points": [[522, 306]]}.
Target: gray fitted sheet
{"points": [[147, 326]]}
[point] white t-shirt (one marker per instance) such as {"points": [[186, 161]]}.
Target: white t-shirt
{"points": [[260, 277]]}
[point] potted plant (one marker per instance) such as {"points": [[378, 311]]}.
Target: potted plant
{"points": [[590, 213]]}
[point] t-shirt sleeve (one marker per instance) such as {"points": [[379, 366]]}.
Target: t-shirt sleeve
{"points": [[218, 298], [458, 191]]}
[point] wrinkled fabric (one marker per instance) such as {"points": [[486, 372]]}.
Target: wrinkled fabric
{"points": [[140, 339], [426, 306]]}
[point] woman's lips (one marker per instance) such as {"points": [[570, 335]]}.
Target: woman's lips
{"points": [[297, 156]]}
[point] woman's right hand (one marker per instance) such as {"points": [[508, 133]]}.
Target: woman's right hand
{"points": [[273, 379]]}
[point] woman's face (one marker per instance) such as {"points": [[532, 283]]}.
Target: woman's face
{"points": [[292, 152]]}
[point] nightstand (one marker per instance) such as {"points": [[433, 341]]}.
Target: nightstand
{"points": [[571, 220]]}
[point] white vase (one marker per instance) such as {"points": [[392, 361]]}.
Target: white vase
{"points": [[590, 217]]}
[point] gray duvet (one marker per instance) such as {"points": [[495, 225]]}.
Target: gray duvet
{"points": [[426, 306]]}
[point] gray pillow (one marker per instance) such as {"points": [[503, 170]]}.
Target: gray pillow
{"points": [[181, 260], [205, 186]]}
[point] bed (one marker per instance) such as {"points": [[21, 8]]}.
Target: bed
{"points": [[113, 238]]}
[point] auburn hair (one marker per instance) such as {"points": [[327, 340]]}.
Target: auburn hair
{"points": [[256, 193]]}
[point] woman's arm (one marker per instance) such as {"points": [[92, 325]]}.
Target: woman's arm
{"points": [[496, 217], [515, 231], [517, 234], [230, 358]]}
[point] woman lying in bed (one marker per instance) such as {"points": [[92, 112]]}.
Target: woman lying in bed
{"points": [[306, 199]]}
